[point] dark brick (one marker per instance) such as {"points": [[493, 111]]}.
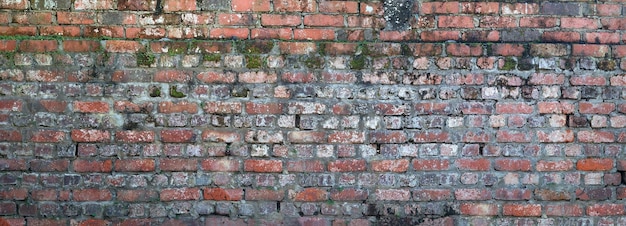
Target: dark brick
{"points": [[520, 35], [560, 8]]}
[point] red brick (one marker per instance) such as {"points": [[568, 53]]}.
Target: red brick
{"points": [[476, 108], [264, 195], [348, 165], [456, 22], [393, 194], [546, 79], [538, 22], [311, 195], [560, 36], [512, 194], [8, 45], [114, 32], [520, 8], [46, 222], [178, 164], [179, 194], [134, 165], [220, 136], [263, 166], [80, 46], [594, 164], [179, 107], [14, 194], [340, 77], [216, 77], [229, 33], [606, 210], [590, 50], [388, 137], [298, 77], [130, 107], [521, 210], [430, 164], [179, 5], [254, 5], [303, 137], [514, 108], [93, 222], [218, 107], [619, 80], [173, 76], [431, 137], [397, 35], [498, 22], [565, 210], [319, 20], [271, 33], [137, 195], [41, 165], [134, 136], [177, 136], [546, 165], [348, 137], [513, 136], [11, 105], [512, 165], [473, 164], [39, 46], [596, 136], [90, 135], [21, 30], [220, 194], [396, 166], [264, 108], [295, 6], [32, 18], [437, 36], [12, 165], [220, 165], [17, 4], [506, 49], [123, 46], [349, 194], [557, 136], [595, 108], [91, 106], [339, 7], [257, 77], [86, 195], [305, 166], [480, 7], [424, 195], [472, 194], [313, 34], [579, 23], [602, 37], [91, 5], [280, 20], [235, 19], [96, 166], [458, 49], [297, 48], [477, 137], [479, 209], [588, 80], [606, 9], [76, 17], [440, 8]]}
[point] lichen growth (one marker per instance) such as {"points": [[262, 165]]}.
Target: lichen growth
{"points": [[212, 57], [145, 59], [175, 93], [607, 65], [509, 64], [254, 61], [314, 62], [357, 62]]}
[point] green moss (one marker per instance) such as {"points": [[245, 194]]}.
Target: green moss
{"points": [[212, 57], [406, 51], [176, 51], [607, 65], [314, 62], [363, 49], [254, 61], [255, 47], [175, 93], [358, 62], [145, 59], [509, 64], [155, 91]]}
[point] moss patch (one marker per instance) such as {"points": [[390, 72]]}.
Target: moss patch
{"points": [[314, 62], [254, 61], [358, 62], [607, 65], [212, 57], [175, 93], [509, 64], [155, 91], [145, 59], [255, 47]]}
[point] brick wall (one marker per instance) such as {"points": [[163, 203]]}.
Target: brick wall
{"points": [[305, 112]]}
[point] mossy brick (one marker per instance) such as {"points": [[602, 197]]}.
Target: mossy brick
{"points": [[255, 47]]}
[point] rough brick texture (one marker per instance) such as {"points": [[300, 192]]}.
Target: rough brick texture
{"points": [[304, 112]]}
